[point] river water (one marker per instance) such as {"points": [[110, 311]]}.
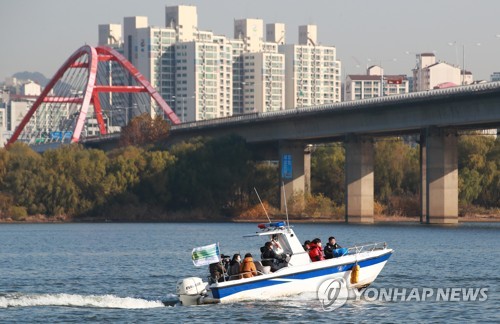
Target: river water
{"points": [[124, 272]]}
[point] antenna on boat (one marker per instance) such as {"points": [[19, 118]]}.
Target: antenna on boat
{"points": [[265, 211], [286, 208]]}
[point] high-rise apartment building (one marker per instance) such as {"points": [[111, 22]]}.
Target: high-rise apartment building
{"points": [[130, 42], [184, 20], [258, 68], [275, 33], [251, 32], [202, 76], [312, 71], [237, 47], [3, 125], [264, 82], [110, 35], [156, 59], [203, 79], [191, 69]]}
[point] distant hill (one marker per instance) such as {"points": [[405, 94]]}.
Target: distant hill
{"points": [[39, 78], [35, 76]]}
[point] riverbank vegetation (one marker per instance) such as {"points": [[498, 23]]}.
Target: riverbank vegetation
{"points": [[214, 179]]}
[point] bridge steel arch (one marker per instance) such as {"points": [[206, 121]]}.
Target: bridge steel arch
{"points": [[86, 60]]}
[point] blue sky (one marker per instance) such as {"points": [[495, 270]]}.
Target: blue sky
{"points": [[40, 35]]}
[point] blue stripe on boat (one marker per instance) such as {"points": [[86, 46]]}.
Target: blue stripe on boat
{"points": [[221, 292]]}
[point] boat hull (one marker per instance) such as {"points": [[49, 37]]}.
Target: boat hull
{"points": [[295, 280]]}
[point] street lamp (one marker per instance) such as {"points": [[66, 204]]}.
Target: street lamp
{"points": [[454, 43], [134, 106], [125, 109]]}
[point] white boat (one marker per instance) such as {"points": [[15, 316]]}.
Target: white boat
{"points": [[299, 275]]}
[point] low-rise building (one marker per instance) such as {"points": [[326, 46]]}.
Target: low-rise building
{"points": [[375, 84], [430, 73]]}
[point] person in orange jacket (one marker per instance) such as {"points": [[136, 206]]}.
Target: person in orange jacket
{"points": [[247, 268]]}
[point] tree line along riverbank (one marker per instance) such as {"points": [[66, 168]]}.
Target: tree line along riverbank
{"points": [[213, 179]]}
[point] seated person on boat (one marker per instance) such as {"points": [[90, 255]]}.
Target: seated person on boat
{"points": [[276, 245], [271, 258], [316, 251], [217, 271], [330, 247], [233, 270], [306, 245], [247, 268]]}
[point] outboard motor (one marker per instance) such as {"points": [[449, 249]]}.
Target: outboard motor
{"points": [[190, 290]]}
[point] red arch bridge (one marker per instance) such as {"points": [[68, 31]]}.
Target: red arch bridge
{"points": [[95, 92]]}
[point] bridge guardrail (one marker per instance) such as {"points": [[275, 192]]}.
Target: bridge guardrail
{"points": [[342, 105]]}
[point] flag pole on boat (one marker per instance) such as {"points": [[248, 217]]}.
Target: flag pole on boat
{"points": [[265, 211], [286, 208]]}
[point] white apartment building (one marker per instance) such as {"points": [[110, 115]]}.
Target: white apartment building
{"points": [[204, 76], [156, 60], [237, 47], [375, 84], [110, 35], [203, 80], [3, 117], [258, 68], [431, 74], [184, 20], [495, 77], [31, 88], [130, 41], [276, 33], [4, 134], [312, 71], [251, 32], [264, 82], [16, 112], [191, 69]]}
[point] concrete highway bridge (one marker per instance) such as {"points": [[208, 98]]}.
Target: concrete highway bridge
{"points": [[436, 116]]}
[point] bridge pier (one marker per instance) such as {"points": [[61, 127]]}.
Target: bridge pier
{"points": [[440, 176], [295, 170], [423, 177], [359, 179]]}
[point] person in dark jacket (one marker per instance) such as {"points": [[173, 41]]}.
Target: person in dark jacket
{"points": [[306, 245], [316, 251], [234, 267], [271, 258], [217, 271], [330, 247]]}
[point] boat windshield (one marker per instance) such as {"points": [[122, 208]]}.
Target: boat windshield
{"points": [[278, 239]]}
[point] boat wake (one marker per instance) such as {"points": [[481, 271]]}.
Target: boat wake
{"points": [[70, 300]]}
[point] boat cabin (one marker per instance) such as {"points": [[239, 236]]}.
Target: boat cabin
{"points": [[286, 238]]}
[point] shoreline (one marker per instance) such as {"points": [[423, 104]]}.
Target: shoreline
{"points": [[382, 220], [378, 219]]}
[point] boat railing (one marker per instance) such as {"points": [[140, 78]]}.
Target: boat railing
{"points": [[367, 247], [239, 276]]}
